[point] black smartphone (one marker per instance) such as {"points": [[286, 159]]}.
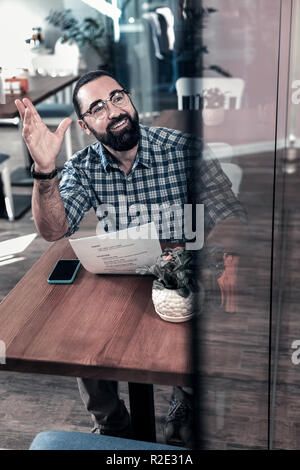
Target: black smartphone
{"points": [[64, 271]]}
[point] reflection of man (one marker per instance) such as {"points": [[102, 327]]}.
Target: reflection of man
{"points": [[149, 166]]}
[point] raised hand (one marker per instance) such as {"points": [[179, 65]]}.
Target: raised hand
{"points": [[43, 145]]}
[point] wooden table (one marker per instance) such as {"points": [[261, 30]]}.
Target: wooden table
{"points": [[40, 88], [101, 326], [247, 126]]}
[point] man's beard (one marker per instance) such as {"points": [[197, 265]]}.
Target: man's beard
{"points": [[125, 139]]}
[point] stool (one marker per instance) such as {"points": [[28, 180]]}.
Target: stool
{"points": [[7, 194], [69, 440]]}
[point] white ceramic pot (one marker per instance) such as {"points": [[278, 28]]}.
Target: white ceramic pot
{"points": [[213, 116], [171, 306]]}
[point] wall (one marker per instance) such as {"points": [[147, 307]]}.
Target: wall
{"points": [[242, 38], [17, 17], [294, 122]]}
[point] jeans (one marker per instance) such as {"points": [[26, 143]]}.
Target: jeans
{"points": [[102, 401], [108, 411]]}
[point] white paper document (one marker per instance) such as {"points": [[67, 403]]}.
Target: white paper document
{"points": [[120, 252]]}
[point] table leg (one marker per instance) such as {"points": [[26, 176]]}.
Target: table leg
{"points": [[12, 206], [22, 203], [21, 176], [142, 411]]}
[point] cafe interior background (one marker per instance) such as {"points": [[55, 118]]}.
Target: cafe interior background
{"points": [[245, 355]]}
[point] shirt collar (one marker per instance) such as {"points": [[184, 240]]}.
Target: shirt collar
{"points": [[142, 158]]}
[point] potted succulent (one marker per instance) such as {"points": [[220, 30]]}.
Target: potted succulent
{"points": [[173, 290], [213, 112]]}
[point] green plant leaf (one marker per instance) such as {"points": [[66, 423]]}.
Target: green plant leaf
{"points": [[157, 285], [89, 31], [184, 292], [144, 270]]}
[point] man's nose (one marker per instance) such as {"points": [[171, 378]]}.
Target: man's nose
{"points": [[112, 111]]}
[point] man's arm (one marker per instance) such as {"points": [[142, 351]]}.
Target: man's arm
{"points": [[231, 234], [44, 146], [48, 210], [227, 234]]}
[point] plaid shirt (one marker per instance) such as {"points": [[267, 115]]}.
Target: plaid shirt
{"points": [[160, 176]]}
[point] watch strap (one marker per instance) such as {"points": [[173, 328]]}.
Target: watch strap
{"points": [[43, 176]]}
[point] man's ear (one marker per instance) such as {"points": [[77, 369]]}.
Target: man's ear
{"points": [[83, 126]]}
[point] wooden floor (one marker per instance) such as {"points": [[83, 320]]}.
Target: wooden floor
{"points": [[234, 390], [233, 350], [249, 392], [31, 403], [287, 392]]}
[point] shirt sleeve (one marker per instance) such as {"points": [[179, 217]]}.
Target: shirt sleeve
{"points": [[74, 196], [213, 189]]}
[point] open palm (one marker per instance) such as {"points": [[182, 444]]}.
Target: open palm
{"points": [[43, 145]]}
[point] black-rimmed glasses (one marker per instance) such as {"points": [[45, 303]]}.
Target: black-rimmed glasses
{"points": [[98, 109]]}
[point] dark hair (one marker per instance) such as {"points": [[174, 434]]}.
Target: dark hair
{"points": [[83, 80]]}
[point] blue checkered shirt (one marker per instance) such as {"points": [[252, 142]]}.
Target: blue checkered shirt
{"points": [[161, 176]]}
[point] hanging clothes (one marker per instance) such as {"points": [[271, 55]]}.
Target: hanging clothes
{"points": [[153, 20], [169, 18]]}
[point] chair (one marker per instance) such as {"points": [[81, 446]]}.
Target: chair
{"points": [[195, 88], [233, 171], [68, 440], [8, 198], [64, 61], [221, 150]]}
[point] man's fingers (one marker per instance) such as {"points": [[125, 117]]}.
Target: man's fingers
{"points": [[63, 127], [21, 108], [32, 108], [28, 124], [28, 121]]}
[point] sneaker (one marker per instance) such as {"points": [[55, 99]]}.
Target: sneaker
{"points": [[120, 426], [124, 433], [178, 426]]}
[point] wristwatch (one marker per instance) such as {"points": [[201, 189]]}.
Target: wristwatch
{"points": [[43, 176]]}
